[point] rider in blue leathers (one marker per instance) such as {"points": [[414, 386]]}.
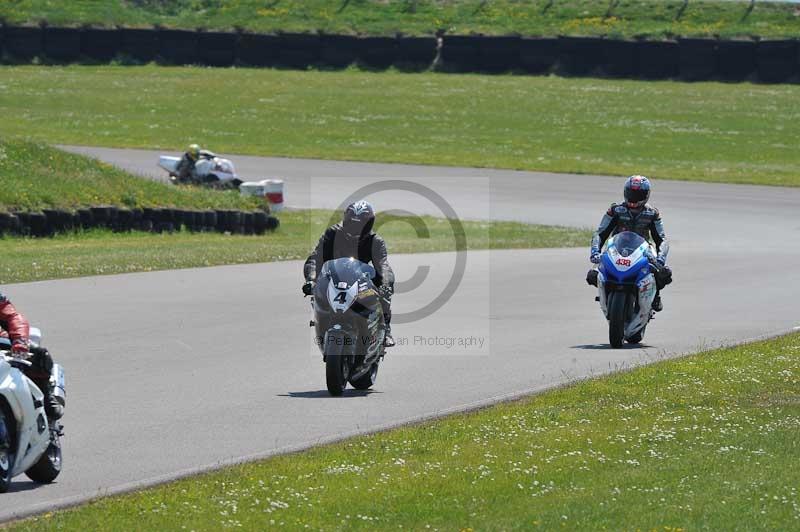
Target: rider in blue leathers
{"points": [[638, 216]]}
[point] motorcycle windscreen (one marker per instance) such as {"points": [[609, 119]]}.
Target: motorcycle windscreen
{"points": [[347, 271], [627, 242]]}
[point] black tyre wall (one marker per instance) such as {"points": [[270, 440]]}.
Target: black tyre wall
{"points": [[62, 44], [23, 42], [619, 58], [377, 52], [217, 48], [258, 50], [736, 59], [177, 47], [578, 56], [100, 44], [415, 53], [141, 45], [499, 54], [338, 51], [658, 59], [776, 60], [298, 50], [461, 53], [538, 56], [698, 59]]}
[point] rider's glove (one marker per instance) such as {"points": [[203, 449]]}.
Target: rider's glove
{"points": [[594, 258], [19, 348], [308, 288], [661, 261]]}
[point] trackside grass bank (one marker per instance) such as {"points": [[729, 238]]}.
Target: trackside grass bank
{"points": [[703, 442], [34, 176], [654, 18], [103, 252], [735, 133]]}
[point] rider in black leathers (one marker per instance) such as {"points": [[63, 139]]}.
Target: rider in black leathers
{"points": [[354, 237], [638, 216]]}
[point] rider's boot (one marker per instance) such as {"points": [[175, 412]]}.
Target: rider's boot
{"points": [[43, 361], [388, 341], [52, 407], [658, 306]]}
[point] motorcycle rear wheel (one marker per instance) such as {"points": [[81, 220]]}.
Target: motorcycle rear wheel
{"points": [[337, 371], [617, 309], [48, 467]]}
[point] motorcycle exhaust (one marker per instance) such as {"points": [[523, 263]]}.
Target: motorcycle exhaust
{"points": [[57, 384]]}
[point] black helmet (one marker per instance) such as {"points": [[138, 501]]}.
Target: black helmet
{"points": [[358, 219], [637, 191]]}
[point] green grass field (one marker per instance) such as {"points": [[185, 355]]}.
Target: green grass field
{"points": [[737, 133], [654, 18], [102, 252], [35, 176], [707, 442]]}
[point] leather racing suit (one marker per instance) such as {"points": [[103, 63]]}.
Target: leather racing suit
{"points": [[16, 328], [647, 223], [335, 244]]}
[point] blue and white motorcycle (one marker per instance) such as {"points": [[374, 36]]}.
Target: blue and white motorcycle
{"points": [[627, 287]]}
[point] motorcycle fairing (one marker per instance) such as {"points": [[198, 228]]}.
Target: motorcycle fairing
{"points": [[33, 435], [625, 266]]}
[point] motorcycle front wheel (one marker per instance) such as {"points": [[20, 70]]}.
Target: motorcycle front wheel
{"points": [[6, 458], [337, 370], [48, 467], [367, 381], [617, 310]]}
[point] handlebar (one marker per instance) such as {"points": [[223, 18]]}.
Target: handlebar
{"points": [[16, 361]]}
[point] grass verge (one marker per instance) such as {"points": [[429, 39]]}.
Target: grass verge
{"points": [[736, 133], [102, 252], [654, 18], [34, 176], [702, 442]]}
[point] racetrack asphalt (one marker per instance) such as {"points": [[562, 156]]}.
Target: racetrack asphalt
{"points": [[177, 371]]}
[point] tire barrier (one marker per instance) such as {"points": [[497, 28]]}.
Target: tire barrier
{"points": [[100, 44], [776, 61], [22, 43], [217, 49], [579, 56], [658, 59], [698, 59], [377, 52], [50, 222], [339, 51], [257, 50], [736, 60], [297, 50], [139, 45], [460, 54], [177, 47], [62, 44], [415, 54], [499, 54], [772, 61], [619, 58], [538, 56]]}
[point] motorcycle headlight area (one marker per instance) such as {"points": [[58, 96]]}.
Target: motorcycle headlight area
{"points": [[341, 297]]}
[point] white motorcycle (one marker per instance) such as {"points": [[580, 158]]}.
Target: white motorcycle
{"points": [[30, 443], [209, 170]]}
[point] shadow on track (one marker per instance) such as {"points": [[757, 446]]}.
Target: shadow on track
{"points": [[323, 394], [598, 347], [20, 486]]}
